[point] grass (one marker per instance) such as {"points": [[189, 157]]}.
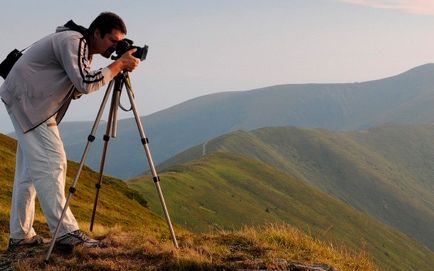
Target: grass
{"points": [[135, 238], [272, 247], [228, 191], [117, 205]]}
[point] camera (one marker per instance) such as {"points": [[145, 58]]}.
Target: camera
{"points": [[125, 45]]}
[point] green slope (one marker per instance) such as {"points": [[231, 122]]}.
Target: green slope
{"points": [[137, 239], [118, 204], [223, 190], [386, 172]]}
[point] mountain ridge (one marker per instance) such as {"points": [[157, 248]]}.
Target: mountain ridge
{"points": [[224, 191], [404, 98], [363, 169]]}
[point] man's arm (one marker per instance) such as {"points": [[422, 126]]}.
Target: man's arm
{"points": [[73, 56], [72, 53]]}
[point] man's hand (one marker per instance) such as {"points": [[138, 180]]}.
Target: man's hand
{"points": [[127, 62]]}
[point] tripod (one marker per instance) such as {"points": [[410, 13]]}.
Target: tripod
{"points": [[117, 84]]}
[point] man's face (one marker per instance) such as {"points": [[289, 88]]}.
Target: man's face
{"points": [[106, 45]]}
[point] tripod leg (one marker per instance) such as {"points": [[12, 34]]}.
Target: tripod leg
{"points": [[116, 101], [155, 176], [110, 122], [72, 188]]}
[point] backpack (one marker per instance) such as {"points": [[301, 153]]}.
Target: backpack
{"points": [[8, 63]]}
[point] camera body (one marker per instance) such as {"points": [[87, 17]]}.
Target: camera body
{"points": [[126, 45]]}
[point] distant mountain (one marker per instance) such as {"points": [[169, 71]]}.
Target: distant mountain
{"points": [[226, 191], [387, 171], [405, 98]]}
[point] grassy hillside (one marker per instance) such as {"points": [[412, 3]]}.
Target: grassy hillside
{"points": [[224, 190], [409, 147], [118, 204], [134, 238], [386, 172]]}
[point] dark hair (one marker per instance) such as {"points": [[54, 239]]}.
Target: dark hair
{"points": [[106, 22]]}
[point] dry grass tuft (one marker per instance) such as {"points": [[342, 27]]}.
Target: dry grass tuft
{"points": [[272, 247]]}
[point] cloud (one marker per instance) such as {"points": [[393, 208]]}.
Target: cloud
{"points": [[425, 7]]}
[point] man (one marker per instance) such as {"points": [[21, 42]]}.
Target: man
{"points": [[37, 92]]}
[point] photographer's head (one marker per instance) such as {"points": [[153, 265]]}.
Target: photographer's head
{"points": [[104, 33]]}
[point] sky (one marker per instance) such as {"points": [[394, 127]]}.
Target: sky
{"points": [[199, 47]]}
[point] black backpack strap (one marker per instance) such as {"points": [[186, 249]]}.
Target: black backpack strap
{"points": [[75, 27]]}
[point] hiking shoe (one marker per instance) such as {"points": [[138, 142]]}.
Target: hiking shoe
{"points": [[26, 242], [70, 240]]}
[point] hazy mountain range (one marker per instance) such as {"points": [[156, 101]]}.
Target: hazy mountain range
{"points": [[405, 98]]}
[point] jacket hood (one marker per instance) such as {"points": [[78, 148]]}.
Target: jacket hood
{"points": [[62, 28]]}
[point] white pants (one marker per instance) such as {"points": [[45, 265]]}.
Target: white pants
{"points": [[40, 171]]}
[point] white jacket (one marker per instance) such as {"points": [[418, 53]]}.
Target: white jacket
{"points": [[48, 75]]}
